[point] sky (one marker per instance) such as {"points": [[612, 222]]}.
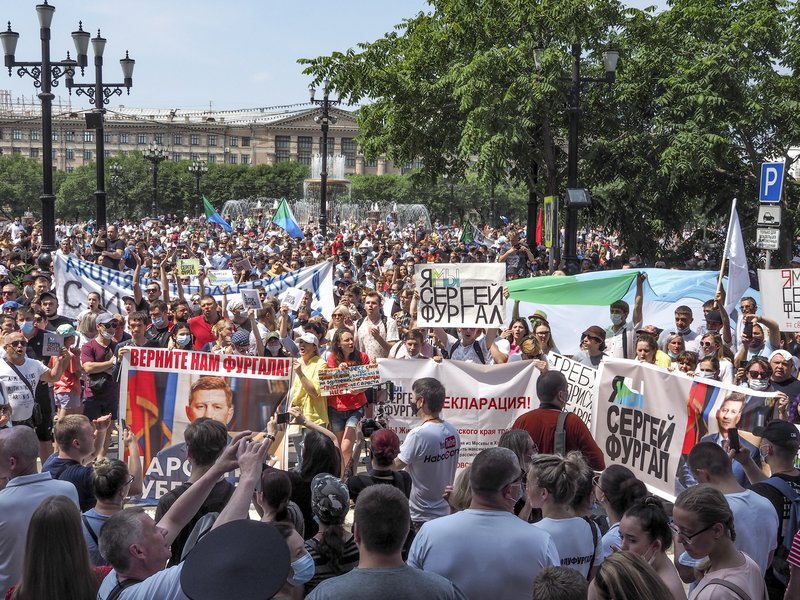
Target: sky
{"points": [[206, 53]]}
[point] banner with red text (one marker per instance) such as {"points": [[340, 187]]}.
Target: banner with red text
{"points": [[482, 401], [648, 419], [162, 391]]}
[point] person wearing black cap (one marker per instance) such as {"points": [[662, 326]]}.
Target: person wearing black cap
{"points": [[593, 344], [780, 442]]}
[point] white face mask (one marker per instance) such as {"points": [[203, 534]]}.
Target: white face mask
{"points": [[617, 319], [705, 374], [758, 385]]}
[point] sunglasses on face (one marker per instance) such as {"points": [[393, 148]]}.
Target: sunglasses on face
{"points": [[592, 338], [757, 374], [18, 344]]}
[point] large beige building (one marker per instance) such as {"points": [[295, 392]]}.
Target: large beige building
{"points": [[247, 136]]}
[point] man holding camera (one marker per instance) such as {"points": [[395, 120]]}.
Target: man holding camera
{"points": [[518, 259]]}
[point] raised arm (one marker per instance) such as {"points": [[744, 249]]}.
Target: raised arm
{"points": [[639, 300]]}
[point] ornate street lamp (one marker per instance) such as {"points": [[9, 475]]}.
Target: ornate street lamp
{"points": [[324, 120], [155, 155], [198, 169]]}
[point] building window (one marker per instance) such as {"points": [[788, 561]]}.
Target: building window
{"points": [[232, 159], [55, 136], [282, 148], [233, 141], [212, 140], [245, 159], [34, 135], [177, 140], [194, 140], [70, 154], [330, 145], [16, 151], [158, 138], [304, 149], [246, 142], [372, 162], [194, 157], [34, 153], [87, 155], [141, 138], [176, 157], [107, 153], [54, 154], [349, 151], [1, 134], [70, 169], [17, 134], [107, 138], [123, 138], [88, 136], [69, 136], [212, 158]]}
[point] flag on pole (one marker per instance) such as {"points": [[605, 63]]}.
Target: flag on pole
{"points": [[738, 276], [212, 216], [284, 219], [467, 235], [539, 226]]}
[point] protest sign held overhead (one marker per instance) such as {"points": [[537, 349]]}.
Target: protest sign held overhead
{"points": [[780, 296], [251, 299], [188, 266], [348, 381], [461, 295]]}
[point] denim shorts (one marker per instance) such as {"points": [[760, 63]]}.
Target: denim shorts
{"points": [[68, 400], [340, 419]]}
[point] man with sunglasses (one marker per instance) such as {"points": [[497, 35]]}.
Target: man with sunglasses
{"points": [[98, 357], [20, 375]]}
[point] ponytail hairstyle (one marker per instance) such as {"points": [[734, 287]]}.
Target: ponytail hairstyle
{"points": [[621, 488], [652, 519], [557, 474], [276, 490], [109, 477]]}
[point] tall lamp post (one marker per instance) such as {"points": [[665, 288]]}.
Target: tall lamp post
{"points": [[45, 74], [116, 176], [100, 93], [325, 120], [576, 198], [155, 155], [198, 169]]}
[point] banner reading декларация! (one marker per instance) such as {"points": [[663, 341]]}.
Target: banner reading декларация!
{"points": [[162, 391]]}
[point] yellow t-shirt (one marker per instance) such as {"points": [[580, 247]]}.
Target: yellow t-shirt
{"points": [[315, 408]]}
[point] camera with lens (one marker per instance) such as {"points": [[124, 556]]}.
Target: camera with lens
{"points": [[370, 426]]}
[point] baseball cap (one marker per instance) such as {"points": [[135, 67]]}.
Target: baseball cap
{"points": [[66, 330], [781, 432], [130, 298], [104, 318], [10, 305], [272, 335], [330, 499], [255, 563], [308, 338], [44, 295]]}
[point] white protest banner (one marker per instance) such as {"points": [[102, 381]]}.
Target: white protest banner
{"points": [[461, 295], [187, 267], [75, 278], [293, 298], [162, 391], [648, 419], [220, 276], [581, 381], [251, 299], [482, 401], [780, 296], [348, 381]]}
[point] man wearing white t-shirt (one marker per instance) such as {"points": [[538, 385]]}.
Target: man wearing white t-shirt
{"points": [[484, 534], [429, 453]]}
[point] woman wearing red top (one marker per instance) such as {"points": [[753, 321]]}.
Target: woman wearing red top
{"points": [[345, 411]]}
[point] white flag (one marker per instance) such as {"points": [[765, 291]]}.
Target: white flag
{"points": [[738, 277]]}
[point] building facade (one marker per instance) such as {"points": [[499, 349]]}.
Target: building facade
{"points": [[246, 137]]}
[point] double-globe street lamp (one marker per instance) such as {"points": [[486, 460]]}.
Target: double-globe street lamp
{"points": [[45, 74], [100, 93], [155, 155], [116, 178], [198, 169], [577, 197], [324, 120]]}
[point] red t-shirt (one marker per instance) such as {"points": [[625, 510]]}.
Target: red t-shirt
{"points": [[201, 330], [541, 425], [346, 401]]}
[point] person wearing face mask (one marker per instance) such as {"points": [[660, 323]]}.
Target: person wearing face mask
{"points": [[181, 338], [483, 533], [711, 347], [760, 337], [98, 359], [621, 335], [755, 375], [159, 329], [708, 368], [273, 346], [674, 348], [683, 326]]}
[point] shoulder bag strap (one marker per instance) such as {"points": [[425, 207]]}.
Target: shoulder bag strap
{"points": [[88, 526], [560, 441], [594, 543], [625, 342], [731, 586], [21, 376], [121, 587]]}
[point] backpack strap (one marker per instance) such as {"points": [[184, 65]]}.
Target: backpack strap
{"points": [[593, 527], [788, 492], [731, 586], [121, 587], [92, 534], [625, 342], [476, 346], [560, 441]]}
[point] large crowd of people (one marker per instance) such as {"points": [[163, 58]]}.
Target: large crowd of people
{"points": [[543, 515]]}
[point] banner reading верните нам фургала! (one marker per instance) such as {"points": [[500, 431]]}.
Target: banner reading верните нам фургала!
{"points": [[460, 295], [162, 391]]}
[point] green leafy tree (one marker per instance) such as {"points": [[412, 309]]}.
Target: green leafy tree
{"points": [[20, 186]]}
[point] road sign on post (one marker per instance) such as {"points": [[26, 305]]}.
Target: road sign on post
{"points": [[769, 215], [768, 238], [771, 185]]}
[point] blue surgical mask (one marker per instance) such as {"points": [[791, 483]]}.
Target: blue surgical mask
{"points": [[183, 340], [158, 322], [303, 570], [26, 326], [672, 354]]}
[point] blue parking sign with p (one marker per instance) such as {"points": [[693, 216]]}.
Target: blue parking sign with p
{"points": [[771, 185]]}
